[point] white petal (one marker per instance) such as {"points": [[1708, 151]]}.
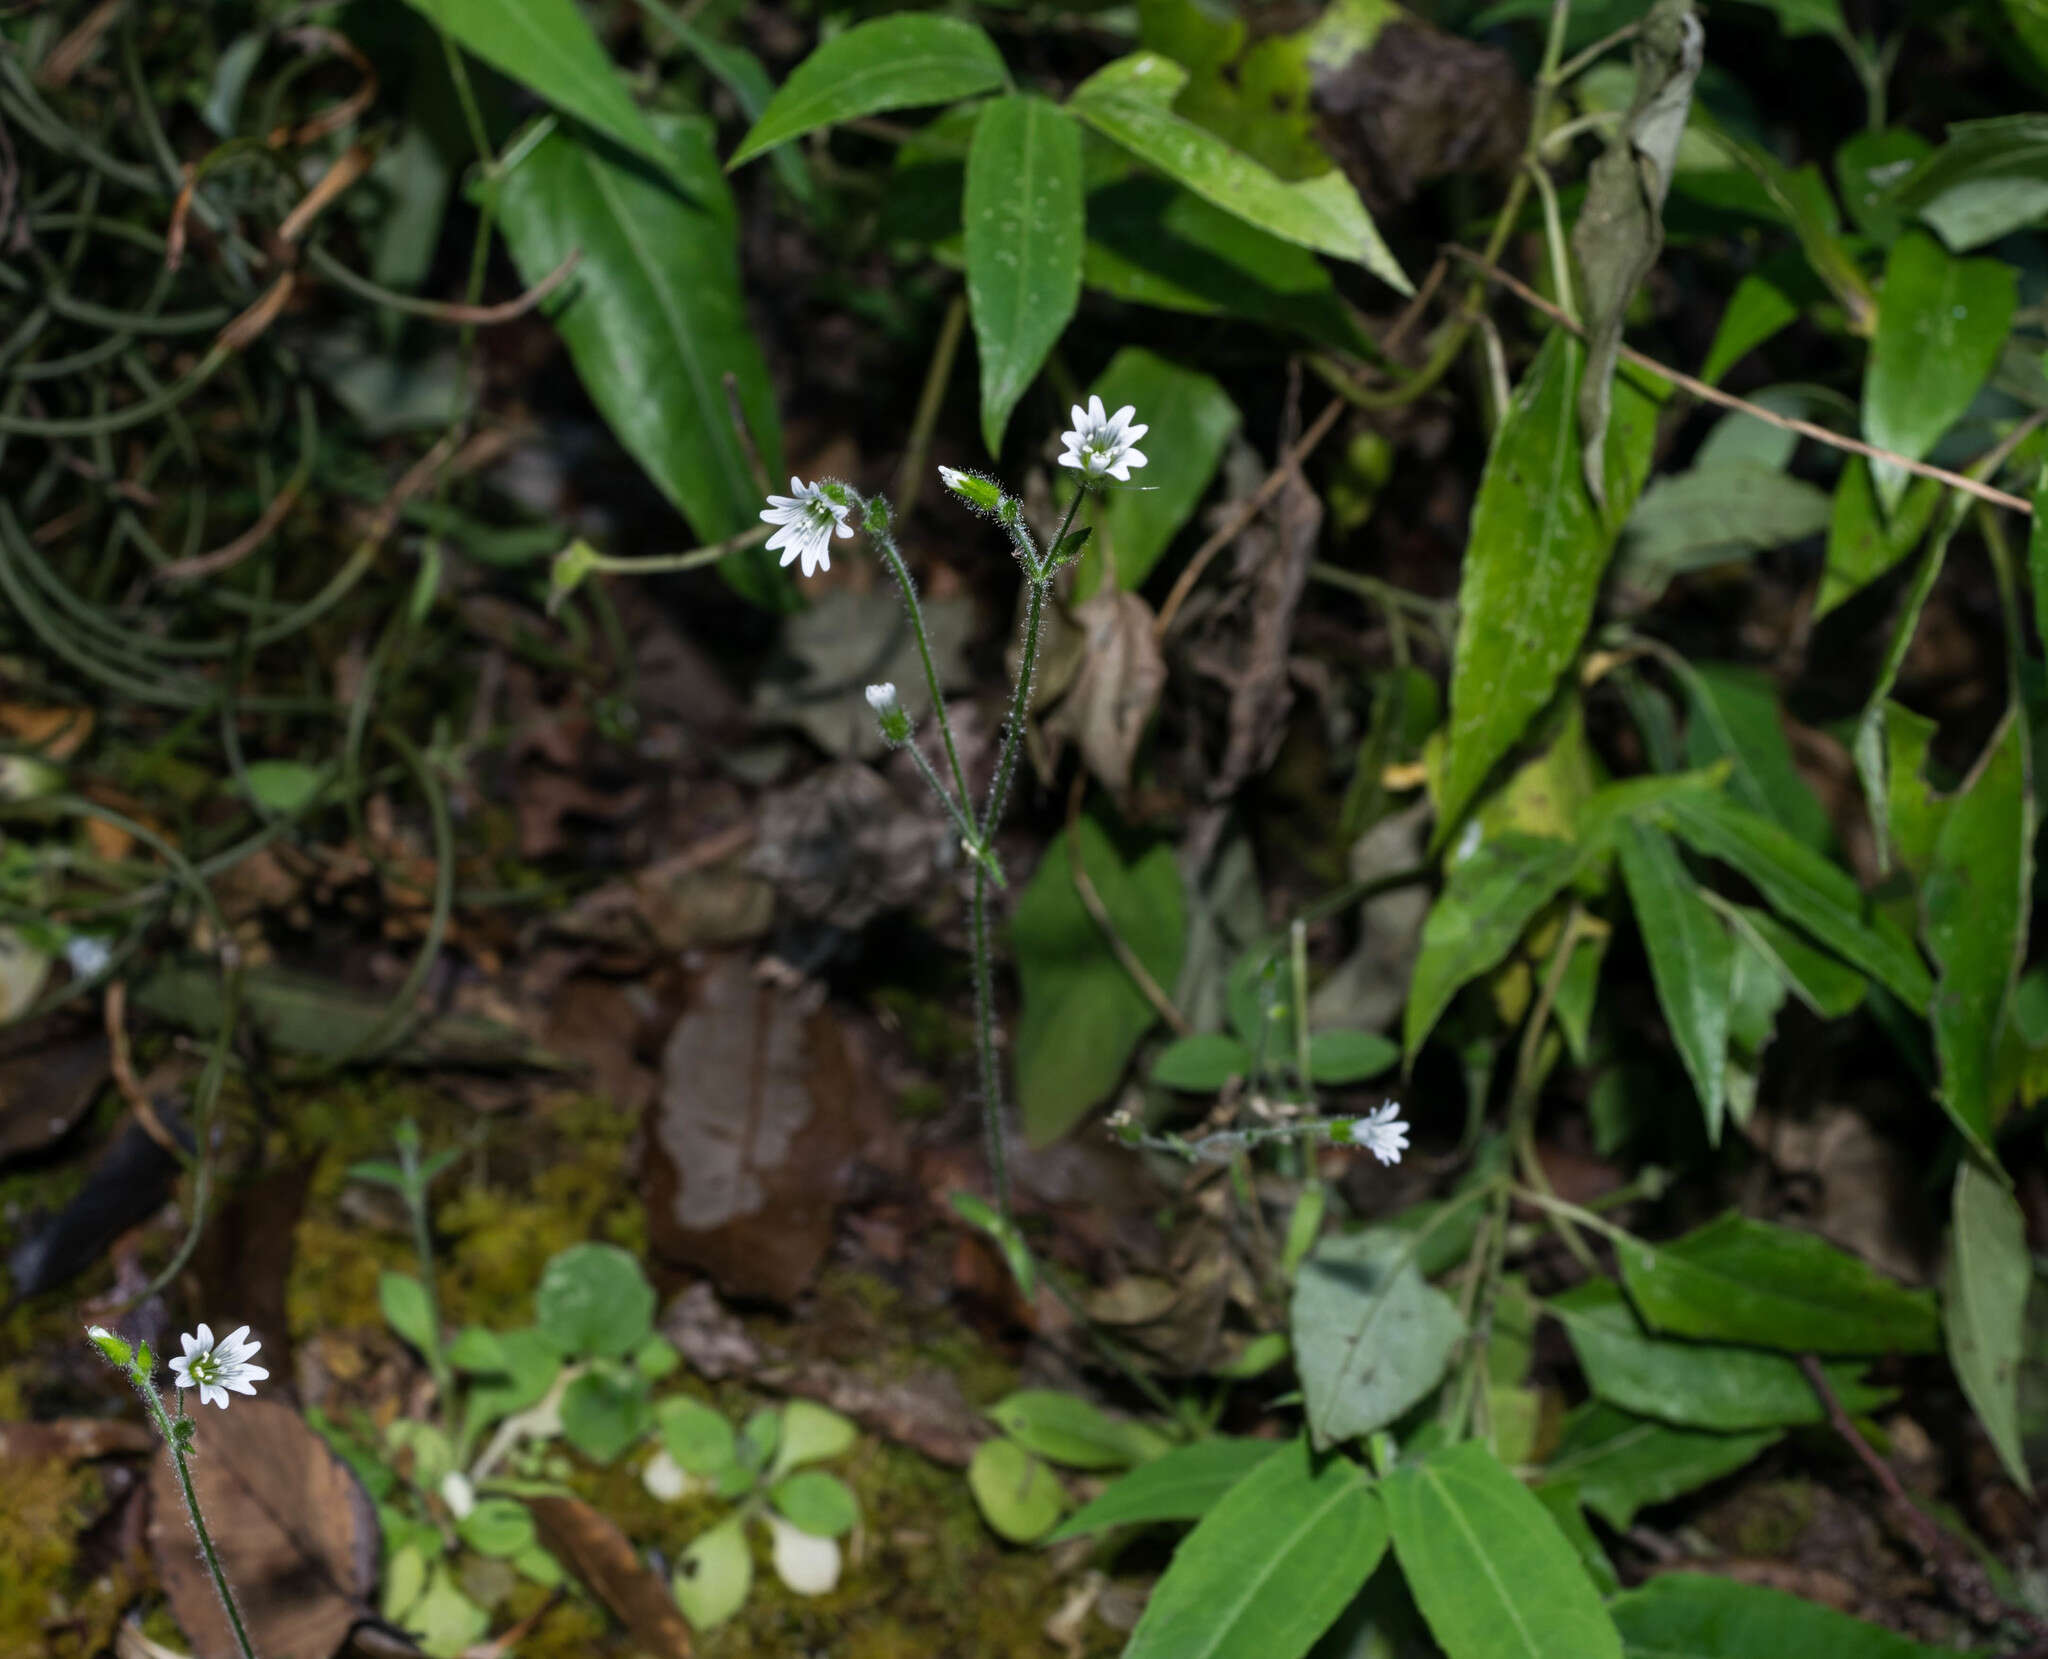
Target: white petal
{"points": [[1121, 473], [845, 532], [1118, 420], [1134, 458], [809, 1565], [211, 1394], [1133, 433], [1095, 411], [255, 1371], [457, 1493], [184, 1380], [797, 486], [817, 558], [234, 1342], [1079, 416], [1071, 459], [664, 1478]]}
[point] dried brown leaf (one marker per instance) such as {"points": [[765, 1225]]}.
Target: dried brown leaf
{"points": [[603, 1557]]}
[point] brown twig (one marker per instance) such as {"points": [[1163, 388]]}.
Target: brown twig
{"points": [[232, 553], [313, 38], [1727, 400], [1290, 463], [1091, 901], [1968, 1585], [121, 1065], [68, 56], [349, 166]]}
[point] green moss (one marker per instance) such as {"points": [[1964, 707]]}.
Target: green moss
{"points": [[43, 1608]]}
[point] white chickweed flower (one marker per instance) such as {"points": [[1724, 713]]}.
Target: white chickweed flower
{"points": [[890, 714], [1381, 1132], [882, 698], [215, 1367], [808, 517], [1102, 443]]}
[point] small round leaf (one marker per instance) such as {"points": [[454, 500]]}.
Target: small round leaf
{"points": [[819, 1503], [714, 1575], [594, 1300], [1018, 1496], [697, 1437]]}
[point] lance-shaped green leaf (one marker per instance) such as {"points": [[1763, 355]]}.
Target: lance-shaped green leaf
{"points": [[1940, 324], [546, 45], [1618, 1462], [1270, 1567], [1694, 1385], [1489, 1568], [1184, 1485], [1686, 1615], [1864, 541], [1974, 903], [1744, 1281], [1620, 227], [1733, 713], [1691, 959], [1130, 102], [654, 321], [896, 62], [1371, 1336], [1989, 179], [1533, 564], [1486, 903], [2037, 555], [1804, 888], [1024, 230], [1758, 309], [1984, 1306]]}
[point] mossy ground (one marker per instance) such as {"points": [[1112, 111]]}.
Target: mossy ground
{"points": [[924, 1576]]}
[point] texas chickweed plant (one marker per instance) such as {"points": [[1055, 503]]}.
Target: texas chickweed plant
{"points": [[1101, 448], [216, 1369]]}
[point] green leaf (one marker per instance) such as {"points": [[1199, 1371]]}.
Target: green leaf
{"points": [[1153, 243], [1687, 1615], [1183, 1485], [811, 1433], [2037, 555], [445, 1620], [1130, 102], [1864, 541], [1804, 888], [1984, 1306], [500, 1527], [1339, 1057], [1533, 564], [1017, 1493], [603, 1414], [1691, 959], [547, 45], [1738, 1280], [283, 786], [1082, 1015], [1975, 901], [1867, 170], [1065, 1429], [698, 1438], [1371, 1336], [593, 1301], [1024, 233], [1758, 309], [1940, 324], [408, 1310], [1561, 1503], [817, 1503], [897, 62], [1734, 715], [1488, 1567], [1619, 1462], [1818, 980], [1487, 902], [654, 320], [1806, 17], [1191, 419], [1203, 1063], [1693, 1384], [1989, 179], [714, 1575], [1270, 1567], [526, 1366], [1710, 515]]}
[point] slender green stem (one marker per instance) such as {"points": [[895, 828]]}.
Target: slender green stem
{"points": [[162, 1419], [882, 537], [985, 1047], [423, 1246], [1040, 579], [961, 822]]}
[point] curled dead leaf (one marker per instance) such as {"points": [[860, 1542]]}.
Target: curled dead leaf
{"points": [[603, 1558], [1116, 687]]}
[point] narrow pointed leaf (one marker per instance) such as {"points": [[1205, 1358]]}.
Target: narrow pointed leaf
{"points": [[1130, 102], [654, 321], [1687, 1615], [1984, 1306], [1619, 1462], [1269, 1568], [1533, 564], [898, 62], [1492, 1573], [1691, 960], [1024, 234]]}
